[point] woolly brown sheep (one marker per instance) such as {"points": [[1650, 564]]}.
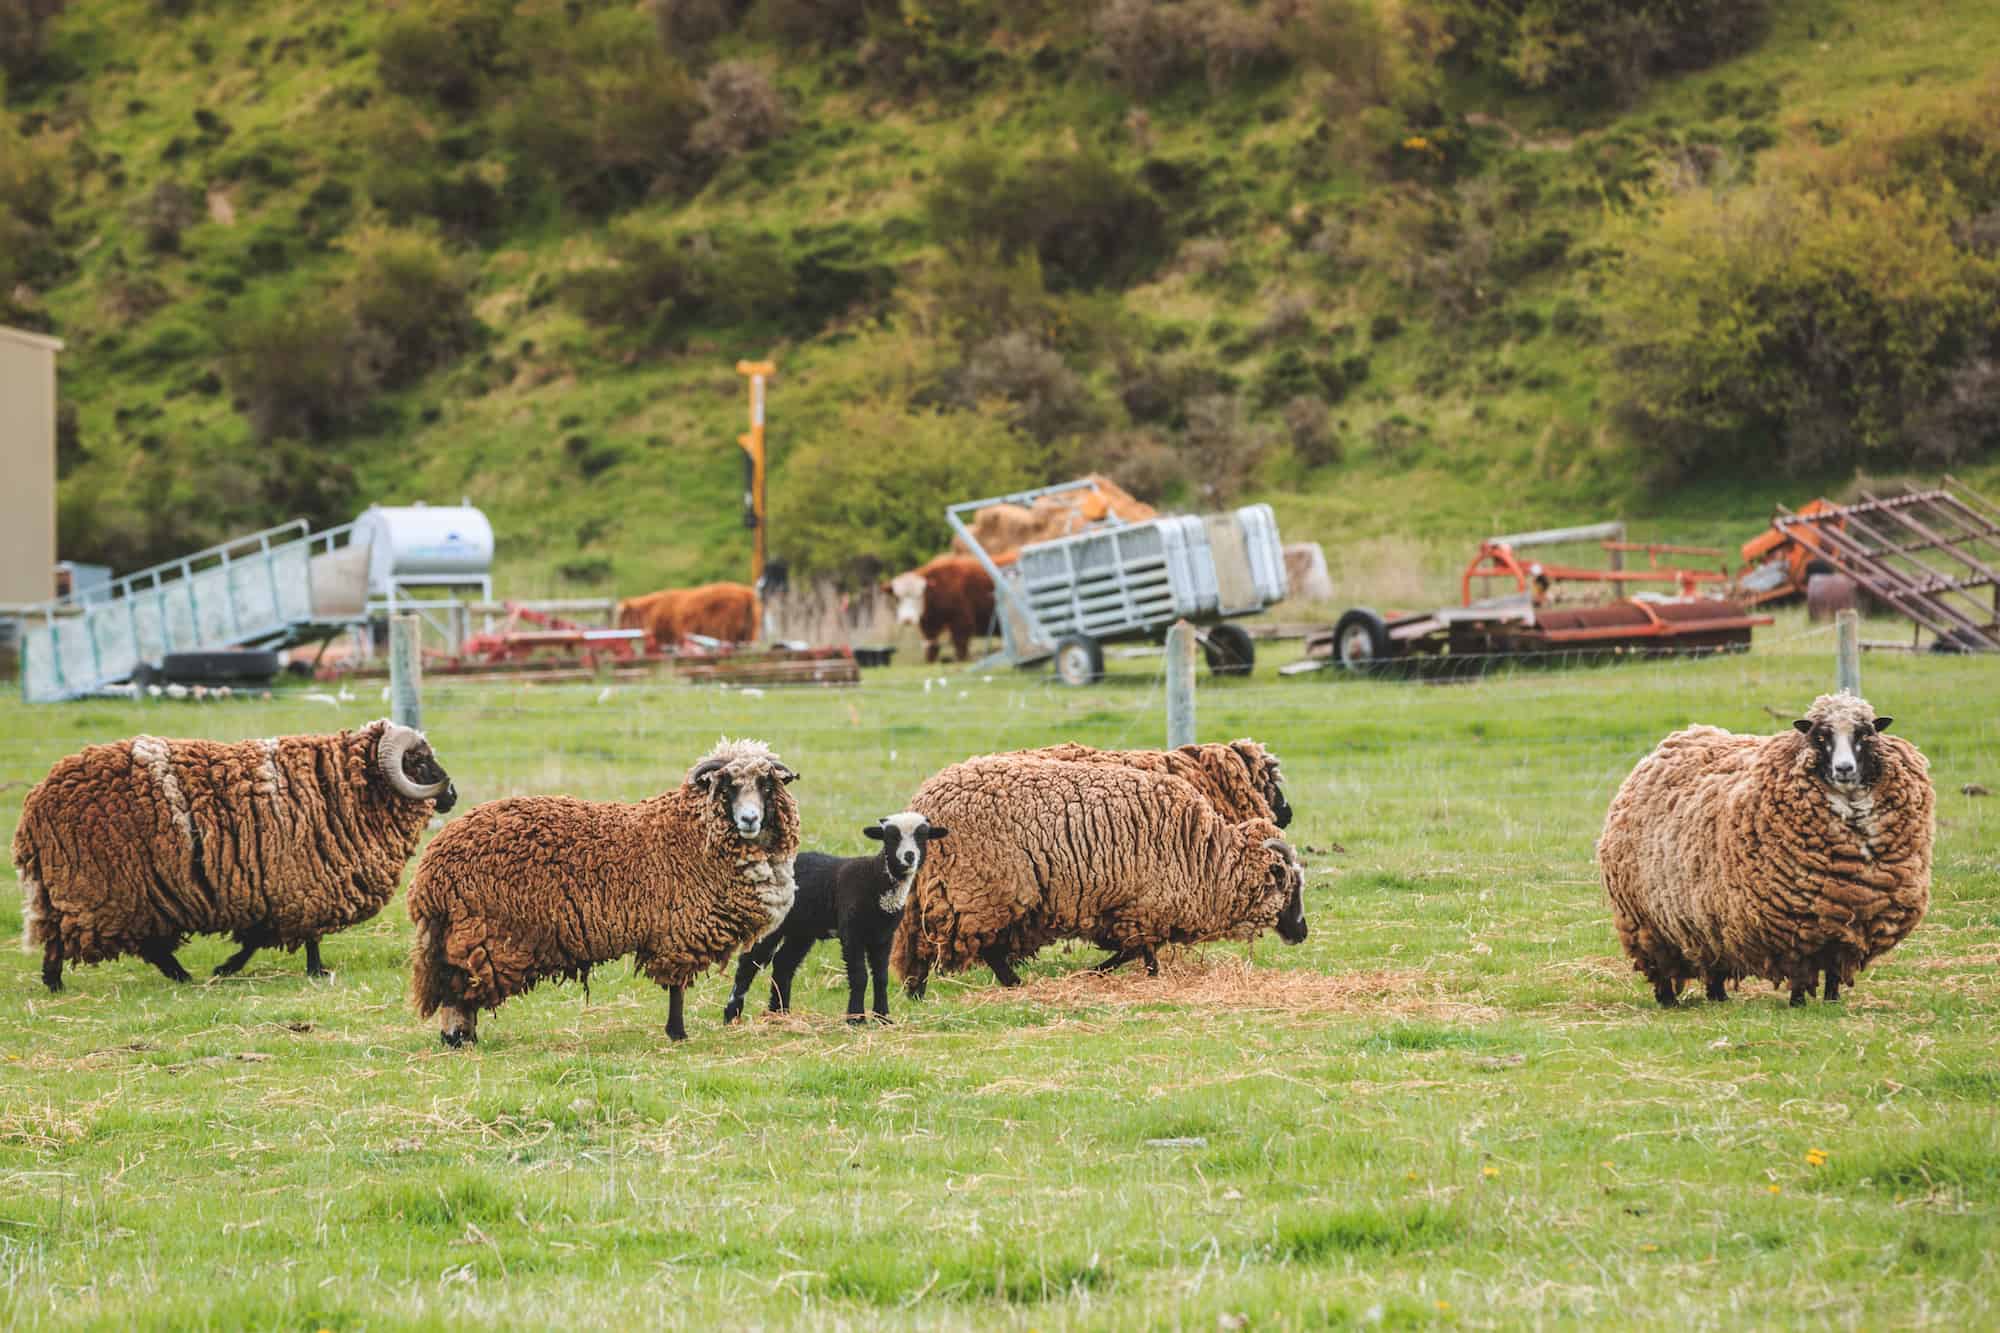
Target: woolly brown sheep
{"points": [[1783, 857], [1240, 779], [549, 886], [131, 847], [1043, 850]]}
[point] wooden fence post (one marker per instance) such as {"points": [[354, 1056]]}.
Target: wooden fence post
{"points": [[1180, 684], [406, 670], [1847, 647]]}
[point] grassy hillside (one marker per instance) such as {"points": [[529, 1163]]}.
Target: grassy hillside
{"points": [[1371, 262]]}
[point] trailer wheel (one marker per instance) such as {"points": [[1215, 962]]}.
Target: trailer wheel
{"points": [[1229, 651], [1361, 640], [1079, 660]]}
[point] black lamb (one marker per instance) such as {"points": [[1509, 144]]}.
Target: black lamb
{"points": [[857, 899]]}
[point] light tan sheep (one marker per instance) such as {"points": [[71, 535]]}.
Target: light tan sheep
{"points": [[1042, 850], [1784, 857]]}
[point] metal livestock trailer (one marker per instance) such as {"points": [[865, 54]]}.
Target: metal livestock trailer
{"points": [[1063, 599]]}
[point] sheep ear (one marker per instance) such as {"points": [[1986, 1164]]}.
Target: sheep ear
{"points": [[1882, 724], [932, 832], [1803, 726], [873, 831], [785, 775], [705, 772]]}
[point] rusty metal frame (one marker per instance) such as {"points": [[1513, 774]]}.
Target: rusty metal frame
{"points": [[1924, 554]]}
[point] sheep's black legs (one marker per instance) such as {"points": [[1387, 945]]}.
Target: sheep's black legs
{"points": [[1666, 990], [251, 941], [790, 954], [854, 956], [314, 967], [746, 972], [878, 964], [1118, 959], [52, 963], [1718, 984], [676, 1024], [995, 956], [160, 953]]}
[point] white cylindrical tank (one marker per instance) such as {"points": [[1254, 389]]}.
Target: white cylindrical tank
{"points": [[409, 542]]}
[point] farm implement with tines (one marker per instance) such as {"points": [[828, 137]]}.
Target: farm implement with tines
{"points": [[1932, 556], [1552, 609]]}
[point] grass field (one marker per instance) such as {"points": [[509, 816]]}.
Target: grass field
{"points": [[1454, 1105]]}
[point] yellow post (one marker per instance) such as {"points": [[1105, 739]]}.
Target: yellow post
{"points": [[753, 446]]}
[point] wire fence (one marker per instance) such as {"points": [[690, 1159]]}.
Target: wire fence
{"points": [[1490, 765]]}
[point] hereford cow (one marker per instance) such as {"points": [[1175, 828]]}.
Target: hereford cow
{"points": [[726, 611], [952, 593]]}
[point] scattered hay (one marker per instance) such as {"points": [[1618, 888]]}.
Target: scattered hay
{"points": [[1224, 981]]}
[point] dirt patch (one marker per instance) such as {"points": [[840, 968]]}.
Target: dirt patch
{"points": [[1226, 982]]}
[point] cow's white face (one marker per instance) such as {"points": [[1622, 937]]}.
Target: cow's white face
{"points": [[908, 590]]}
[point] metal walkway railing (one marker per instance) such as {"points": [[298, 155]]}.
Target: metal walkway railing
{"points": [[255, 591]]}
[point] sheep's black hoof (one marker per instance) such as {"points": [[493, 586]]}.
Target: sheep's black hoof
{"points": [[677, 1036], [1798, 999], [53, 980], [856, 1020], [732, 1011], [1717, 990]]}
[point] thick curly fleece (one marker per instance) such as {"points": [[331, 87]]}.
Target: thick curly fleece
{"points": [[146, 841], [1727, 855], [1042, 850], [1240, 779], [533, 887]]}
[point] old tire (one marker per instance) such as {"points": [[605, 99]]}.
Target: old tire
{"points": [[1361, 641], [1079, 660], [1229, 650]]}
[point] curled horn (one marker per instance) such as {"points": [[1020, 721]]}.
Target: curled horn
{"points": [[389, 751], [1285, 847], [701, 771], [785, 774]]}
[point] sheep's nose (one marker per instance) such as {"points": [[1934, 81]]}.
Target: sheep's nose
{"points": [[747, 823], [1843, 771], [908, 858]]}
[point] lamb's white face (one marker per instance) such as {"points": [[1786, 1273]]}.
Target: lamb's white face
{"points": [[908, 590], [904, 837]]}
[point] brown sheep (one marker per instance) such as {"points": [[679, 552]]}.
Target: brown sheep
{"points": [[533, 887], [1240, 779], [131, 847], [1783, 857], [1043, 850], [726, 611]]}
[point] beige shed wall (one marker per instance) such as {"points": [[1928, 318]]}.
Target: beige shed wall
{"points": [[27, 466]]}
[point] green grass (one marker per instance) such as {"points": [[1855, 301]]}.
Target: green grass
{"points": [[1499, 1128]]}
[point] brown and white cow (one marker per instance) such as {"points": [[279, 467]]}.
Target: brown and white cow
{"points": [[951, 594]]}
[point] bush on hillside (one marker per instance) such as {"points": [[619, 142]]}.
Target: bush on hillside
{"points": [[972, 295], [686, 27], [1088, 223], [1223, 449], [24, 26], [742, 109], [1598, 51], [1308, 421], [608, 137], [658, 284], [298, 362], [860, 494], [412, 298], [1039, 394], [167, 210], [31, 176], [1822, 329], [447, 53]]}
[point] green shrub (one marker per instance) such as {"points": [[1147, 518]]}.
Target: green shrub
{"points": [[973, 295], [659, 284], [1595, 51], [24, 35], [686, 27], [1809, 326], [412, 299], [298, 362], [1308, 421], [607, 136], [446, 52], [741, 110], [860, 513], [1222, 448], [1044, 399], [1089, 224]]}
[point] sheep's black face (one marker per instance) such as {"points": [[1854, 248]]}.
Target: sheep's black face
{"points": [[1292, 920], [422, 768], [1845, 755]]}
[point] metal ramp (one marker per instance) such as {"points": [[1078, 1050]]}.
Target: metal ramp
{"points": [[271, 589], [1932, 555]]}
